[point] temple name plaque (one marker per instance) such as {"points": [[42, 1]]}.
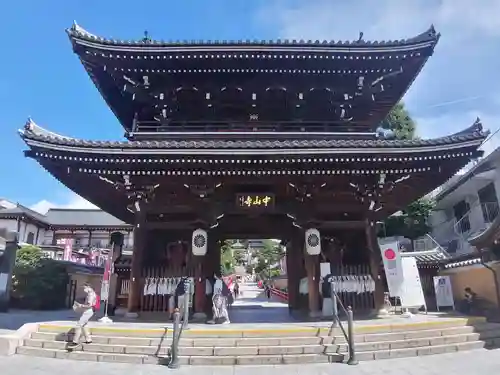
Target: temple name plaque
{"points": [[255, 201]]}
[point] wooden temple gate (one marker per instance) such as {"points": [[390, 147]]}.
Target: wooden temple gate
{"points": [[252, 140]]}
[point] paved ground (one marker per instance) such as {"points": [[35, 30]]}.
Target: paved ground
{"points": [[478, 362], [15, 319], [253, 306]]}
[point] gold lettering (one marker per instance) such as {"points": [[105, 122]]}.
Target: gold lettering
{"points": [[266, 200], [248, 201]]}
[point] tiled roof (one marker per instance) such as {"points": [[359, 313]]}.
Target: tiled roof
{"points": [[22, 210], [72, 217], [435, 256], [36, 133], [68, 217], [463, 263], [429, 36]]}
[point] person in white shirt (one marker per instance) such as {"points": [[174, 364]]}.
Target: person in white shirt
{"points": [[87, 311], [220, 301]]}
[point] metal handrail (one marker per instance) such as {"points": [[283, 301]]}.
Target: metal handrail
{"points": [[178, 329], [349, 335]]}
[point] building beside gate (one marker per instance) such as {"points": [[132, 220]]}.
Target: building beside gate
{"points": [[467, 205], [87, 233], [251, 139]]}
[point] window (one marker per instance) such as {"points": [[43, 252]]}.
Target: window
{"points": [[461, 213], [489, 202], [30, 238]]}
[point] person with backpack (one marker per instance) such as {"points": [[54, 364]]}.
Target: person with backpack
{"points": [[88, 308]]}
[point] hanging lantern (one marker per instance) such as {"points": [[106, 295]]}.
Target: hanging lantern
{"points": [[313, 241], [199, 242]]}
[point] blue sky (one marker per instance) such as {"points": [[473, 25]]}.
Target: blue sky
{"points": [[43, 79]]}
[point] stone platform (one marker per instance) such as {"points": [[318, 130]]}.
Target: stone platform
{"points": [[266, 340], [250, 344]]}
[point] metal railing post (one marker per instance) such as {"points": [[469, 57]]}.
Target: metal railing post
{"points": [[187, 298], [350, 334], [174, 349], [335, 309]]}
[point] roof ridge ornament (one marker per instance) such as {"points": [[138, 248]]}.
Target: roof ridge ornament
{"points": [[75, 28], [475, 128], [146, 39], [31, 128]]}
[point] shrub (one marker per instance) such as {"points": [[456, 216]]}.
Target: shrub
{"points": [[38, 283]]}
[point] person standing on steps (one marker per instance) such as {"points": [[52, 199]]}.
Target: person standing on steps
{"points": [[87, 309]]}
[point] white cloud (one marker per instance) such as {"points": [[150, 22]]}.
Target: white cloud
{"points": [[458, 82], [74, 201]]}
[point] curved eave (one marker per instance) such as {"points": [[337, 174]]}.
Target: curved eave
{"points": [[80, 36], [188, 148], [100, 193]]}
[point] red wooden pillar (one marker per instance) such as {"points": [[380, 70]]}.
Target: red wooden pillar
{"points": [[312, 268], [294, 272], [134, 297], [199, 287]]}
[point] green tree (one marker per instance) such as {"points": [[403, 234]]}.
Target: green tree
{"points": [[226, 254], [400, 121], [267, 257], [38, 282], [412, 223]]}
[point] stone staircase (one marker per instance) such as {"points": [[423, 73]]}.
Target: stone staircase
{"points": [[263, 347]]}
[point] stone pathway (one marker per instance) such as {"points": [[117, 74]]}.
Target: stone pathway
{"points": [[252, 306], [477, 362]]}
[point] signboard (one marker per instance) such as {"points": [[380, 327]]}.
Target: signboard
{"points": [[444, 292], [255, 201], [412, 294], [392, 267]]}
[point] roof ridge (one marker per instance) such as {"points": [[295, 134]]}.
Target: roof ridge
{"points": [[429, 35], [473, 132]]}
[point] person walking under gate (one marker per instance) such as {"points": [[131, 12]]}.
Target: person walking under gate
{"points": [[87, 309], [236, 289], [267, 289], [220, 301]]}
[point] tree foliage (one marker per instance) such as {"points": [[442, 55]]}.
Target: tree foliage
{"points": [[38, 282], [400, 121], [226, 261], [412, 223], [268, 256]]}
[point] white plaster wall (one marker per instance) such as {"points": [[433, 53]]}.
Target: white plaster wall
{"points": [[11, 225]]}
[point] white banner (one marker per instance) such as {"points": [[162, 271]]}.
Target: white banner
{"points": [[412, 294], [444, 292], [392, 266], [325, 269]]}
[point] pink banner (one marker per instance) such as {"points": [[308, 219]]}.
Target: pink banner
{"points": [[68, 249]]}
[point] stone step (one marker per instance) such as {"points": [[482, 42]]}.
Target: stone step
{"points": [[193, 332], [199, 342], [183, 350], [420, 351], [409, 343], [191, 360]]}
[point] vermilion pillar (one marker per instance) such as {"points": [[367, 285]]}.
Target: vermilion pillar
{"points": [[134, 297]]}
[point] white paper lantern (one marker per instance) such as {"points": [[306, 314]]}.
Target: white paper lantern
{"points": [[313, 241], [199, 242]]}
